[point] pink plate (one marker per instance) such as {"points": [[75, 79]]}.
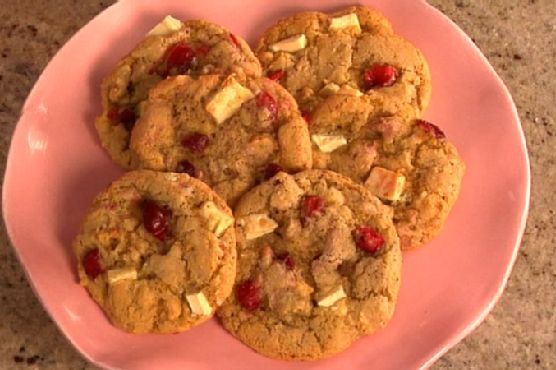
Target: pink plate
{"points": [[56, 166]]}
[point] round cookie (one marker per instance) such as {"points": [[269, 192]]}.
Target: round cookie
{"points": [[230, 131], [354, 51], [319, 266], [173, 47], [409, 164], [157, 252]]}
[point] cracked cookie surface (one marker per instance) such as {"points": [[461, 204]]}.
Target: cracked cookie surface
{"points": [[319, 266], [195, 47], [229, 131], [157, 252], [409, 164], [353, 51]]}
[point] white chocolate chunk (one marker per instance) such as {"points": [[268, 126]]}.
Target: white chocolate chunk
{"points": [[257, 225], [328, 143], [126, 273], [291, 44], [333, 297], [217, 221], [228, 100], [348, 90], [385, 184], [329, 89], [345, 21], [167, 26], [334, 197], [198, 304]]}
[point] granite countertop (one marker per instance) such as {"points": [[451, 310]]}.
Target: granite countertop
{"points": [[519, 39]]}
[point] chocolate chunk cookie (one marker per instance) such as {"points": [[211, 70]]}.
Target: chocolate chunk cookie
{"points": [[157, 252], [410, 165], [352, 52], [173, 47], [319, 266], [230, 131]]}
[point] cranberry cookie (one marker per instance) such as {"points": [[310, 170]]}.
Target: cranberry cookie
{"points": [[229, 131], [157, 252], [408, 164], [173, 47], [319, 266], [353, 52]]}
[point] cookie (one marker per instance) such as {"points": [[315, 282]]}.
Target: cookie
{"points": [[173, 47], [351, 52], [319, 266], [230, 131], [157, 252], [410, 165]]}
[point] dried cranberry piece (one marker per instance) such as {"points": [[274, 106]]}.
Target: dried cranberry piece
{"points": [[312, 205], [287, 260], [369, 239], [178, 59], [265, 100], [234, 40], [306, 116], [431, 129], [271, 170], [187, 167], [114, 115], [248, 295], [196, 142], [202, 50], [125, 116], [91, 263], [156, 219], [380, 75], [276, 75]]}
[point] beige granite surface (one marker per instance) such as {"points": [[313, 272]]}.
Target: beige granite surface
{"points": [[519, 39]]}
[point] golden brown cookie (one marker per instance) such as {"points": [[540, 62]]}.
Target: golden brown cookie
{"points": [[319, 266], [157, 252], [352, 52], [408, 164], [230, 131], [173, 47]]}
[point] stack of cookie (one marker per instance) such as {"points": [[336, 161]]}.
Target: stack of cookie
{"points": [[327, 166]]}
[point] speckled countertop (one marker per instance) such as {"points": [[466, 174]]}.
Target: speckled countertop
{"points": [[519, 39]]}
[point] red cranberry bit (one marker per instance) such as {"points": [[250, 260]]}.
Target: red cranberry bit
{"points": [[179, 57], [248, 295], [202, 50], [156, 219], [114, 115], [124, 116], [276, 75], [287, 260], [271, 170], [127, 117], [265, 100], [431, 129], [91, 263], [187, 167], [196, 142], [369, 239], [380, 75], [234, 40], [313, 205], [306, 116]]}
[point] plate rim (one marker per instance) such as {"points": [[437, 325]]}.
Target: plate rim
{"points": [[494, 299]]}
